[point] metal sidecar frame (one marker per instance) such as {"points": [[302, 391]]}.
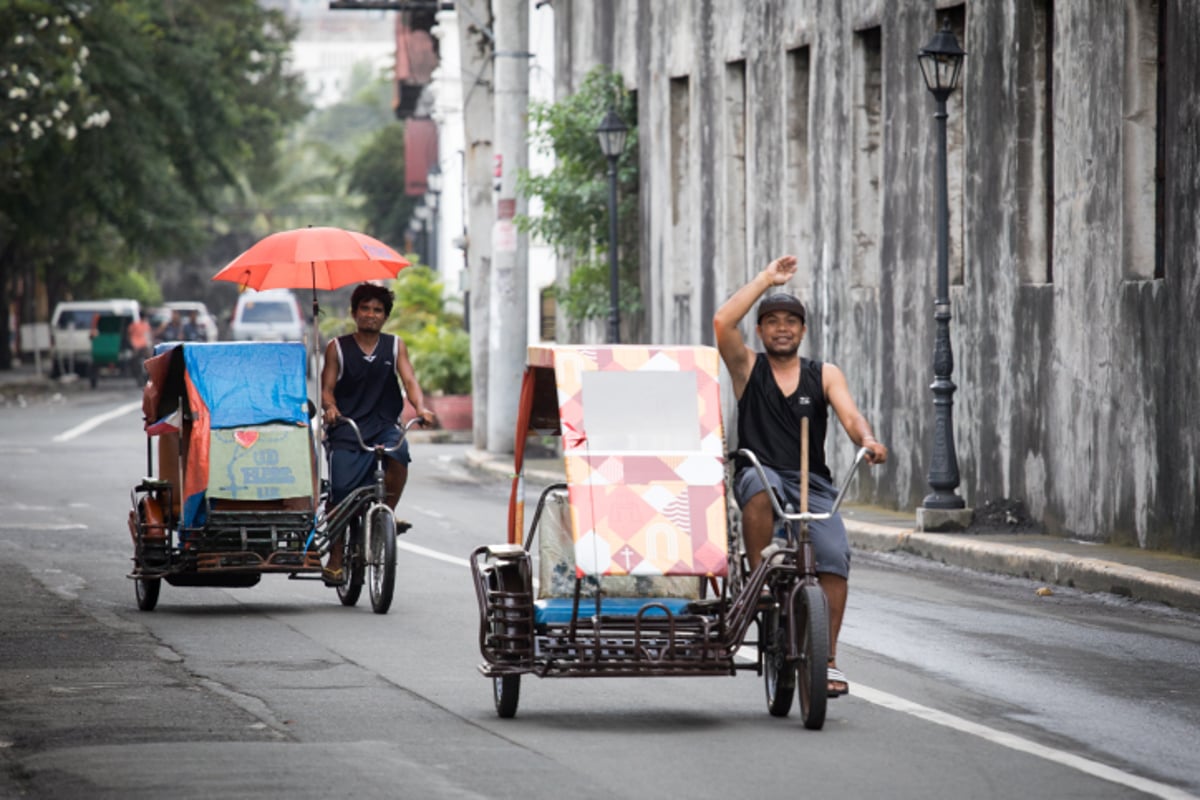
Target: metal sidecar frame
{"points": [[266, 513]]}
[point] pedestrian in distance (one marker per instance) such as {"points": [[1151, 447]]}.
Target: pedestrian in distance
{"points": [[775, 389]]}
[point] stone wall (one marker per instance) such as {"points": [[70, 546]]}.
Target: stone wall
{"points": [[769, 126]]}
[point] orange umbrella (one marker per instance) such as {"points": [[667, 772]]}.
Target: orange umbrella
{"points": [[323, 258]]}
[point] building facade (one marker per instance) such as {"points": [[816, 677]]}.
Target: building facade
{"points": [[801, 126]]}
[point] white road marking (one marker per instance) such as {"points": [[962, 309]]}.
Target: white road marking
{"points": [[899, 704], [42, 526], [1020, 744], [429, 512], [96, 422]]}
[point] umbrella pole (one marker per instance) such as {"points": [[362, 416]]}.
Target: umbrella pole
{"points": [[313, 364]]}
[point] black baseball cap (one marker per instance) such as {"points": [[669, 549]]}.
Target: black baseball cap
{"points": [[780, 302]]}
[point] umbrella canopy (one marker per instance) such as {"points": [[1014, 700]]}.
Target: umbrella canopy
{"points": [[320, 258]]}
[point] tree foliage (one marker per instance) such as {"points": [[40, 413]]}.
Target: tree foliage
{"points": [[377, 174], [128, 121], [574, 194]]}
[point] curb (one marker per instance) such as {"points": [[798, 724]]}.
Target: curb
{"points": [[1085, 574]]}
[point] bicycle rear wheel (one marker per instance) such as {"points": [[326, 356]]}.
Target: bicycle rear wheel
{"points": [[352, 562], [381, 562], [779, 672], [811, 614]]}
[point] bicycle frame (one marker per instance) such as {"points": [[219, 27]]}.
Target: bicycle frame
{"points": [[362, 500]]}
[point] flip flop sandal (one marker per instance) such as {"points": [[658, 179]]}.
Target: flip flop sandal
{"points": [[835, 675], [333, 577]]}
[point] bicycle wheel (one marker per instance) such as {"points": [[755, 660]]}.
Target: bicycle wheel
{"points": [[779, 672], [381, 563], [352, 562], [506, 692], [812, 630]]}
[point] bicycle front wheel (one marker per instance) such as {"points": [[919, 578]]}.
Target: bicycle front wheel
{"points": [[381, 562], [811, 615]]}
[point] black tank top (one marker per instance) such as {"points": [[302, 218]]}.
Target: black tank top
{"points": [[769, 423], [367, 390]]}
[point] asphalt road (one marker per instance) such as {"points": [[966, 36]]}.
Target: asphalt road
{"points": [[962, 685]]}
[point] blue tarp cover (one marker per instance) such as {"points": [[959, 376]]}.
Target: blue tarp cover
{"points": [[244, 383]]}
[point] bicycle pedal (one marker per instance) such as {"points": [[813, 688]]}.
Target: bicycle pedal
{"points": [[402, 526]]}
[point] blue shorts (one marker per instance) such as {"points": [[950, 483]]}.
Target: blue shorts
{"points": [[831, 547], [349, 469]]}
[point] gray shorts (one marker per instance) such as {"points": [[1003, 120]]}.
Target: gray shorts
{"points": [[831, 547]]}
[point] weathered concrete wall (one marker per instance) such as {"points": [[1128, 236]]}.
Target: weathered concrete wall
{"points": [[1076, 365]]}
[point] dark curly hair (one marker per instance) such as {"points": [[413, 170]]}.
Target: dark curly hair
{"points": [[369, 291]]}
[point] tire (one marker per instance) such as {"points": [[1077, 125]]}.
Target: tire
{"points": [[381, 561], [812, 631], [779, 672], [506, 692], [352, 562], [147, 590]]}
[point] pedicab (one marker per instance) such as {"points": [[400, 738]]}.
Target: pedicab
{"points": [[111, 352], [234, 491], [639, 572]]}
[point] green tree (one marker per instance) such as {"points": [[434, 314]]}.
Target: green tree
{"points": [[167, 103], [574, 195], [377, 174]]}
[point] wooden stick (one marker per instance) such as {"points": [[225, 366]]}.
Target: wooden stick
{"points": [[804, 465]]}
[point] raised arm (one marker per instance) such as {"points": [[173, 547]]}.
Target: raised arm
{"points": [[737, 355], [857, 428]]}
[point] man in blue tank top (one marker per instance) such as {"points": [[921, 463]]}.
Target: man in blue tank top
{"points": [[775, 389], [359, 381]]}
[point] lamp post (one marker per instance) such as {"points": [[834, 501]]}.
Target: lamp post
{"points": [[422, 215], [941, 64], [433, 191], [612, 133]]}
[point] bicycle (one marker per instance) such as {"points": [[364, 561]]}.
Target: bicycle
{"points": [[369, 536], [794, 625]]}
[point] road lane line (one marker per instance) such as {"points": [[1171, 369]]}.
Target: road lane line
{"points": [[1021, 744], [434, 554], [96, 422], [895, 703]]}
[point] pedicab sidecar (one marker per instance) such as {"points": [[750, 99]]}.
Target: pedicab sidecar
{"points": [[111, 351], [635, 573], [233, 490]]}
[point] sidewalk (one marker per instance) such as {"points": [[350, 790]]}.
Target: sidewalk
{"points": [[1125, 571], [24, 381]]}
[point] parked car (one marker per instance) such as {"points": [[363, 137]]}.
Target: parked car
{"points": [[206, 323], [269, 316], [71, 328]]}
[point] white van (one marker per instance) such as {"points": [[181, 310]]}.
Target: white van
{"points": [[71, 331], [268, 316]]}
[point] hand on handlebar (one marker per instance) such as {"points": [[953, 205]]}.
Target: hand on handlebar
{"points": [[426, 416], [877, 451]]}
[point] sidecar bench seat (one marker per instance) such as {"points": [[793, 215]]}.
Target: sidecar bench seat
{"points": [[622, 595]]}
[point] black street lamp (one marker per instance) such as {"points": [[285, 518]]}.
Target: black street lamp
{"points": [[941, 64], [612, 133]]}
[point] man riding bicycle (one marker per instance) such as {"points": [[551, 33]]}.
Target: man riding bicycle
{"points": [[775, 389], [359, 381]]}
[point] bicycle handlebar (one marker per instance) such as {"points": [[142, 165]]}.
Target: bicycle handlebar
{"points": [[806, 516], [370, 448]]}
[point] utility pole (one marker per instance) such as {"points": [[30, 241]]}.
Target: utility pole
{"points": [[476, 45], [508, 299]]}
